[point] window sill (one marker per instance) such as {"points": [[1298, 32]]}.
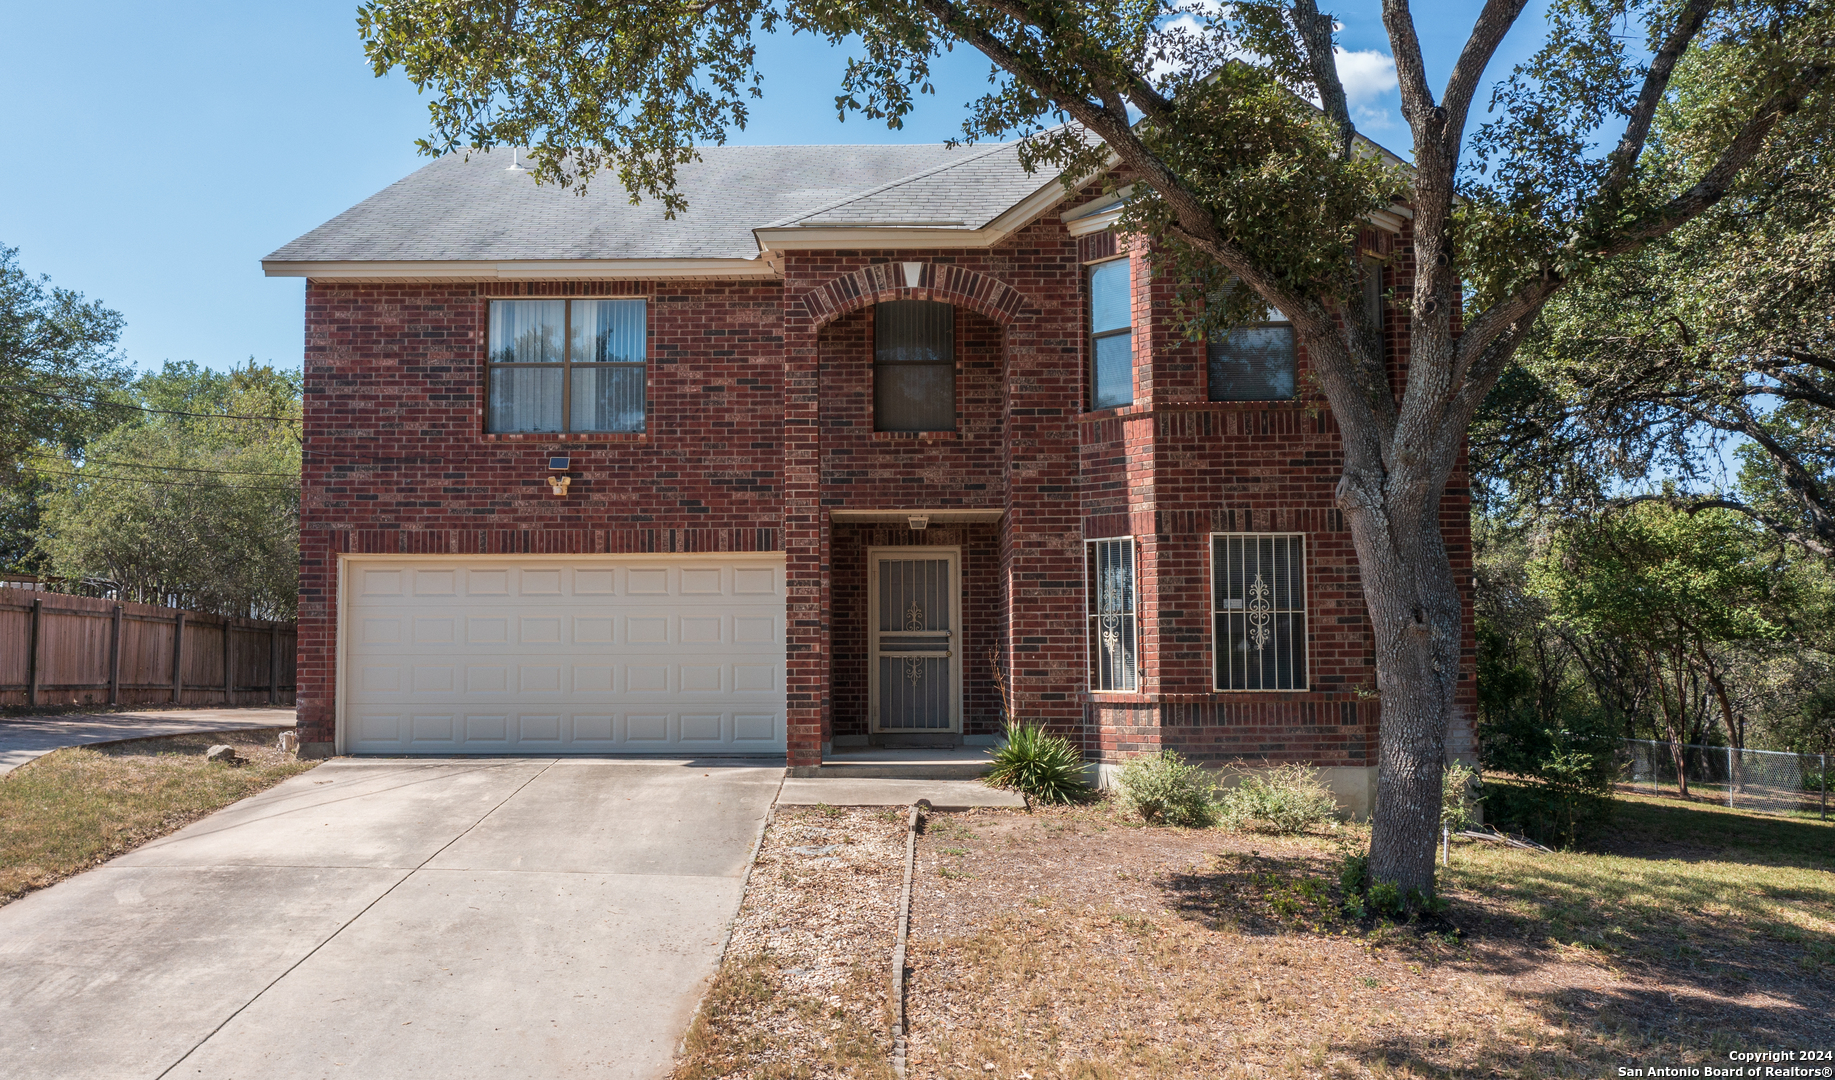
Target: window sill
{"points": [[1139, 411], [915, 436], [567, 436]]}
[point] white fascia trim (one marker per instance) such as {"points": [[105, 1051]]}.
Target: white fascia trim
{"points": [[1093, 223], [523, 270]]}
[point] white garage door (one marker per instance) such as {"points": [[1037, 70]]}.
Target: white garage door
{"points": [[575, 654]]}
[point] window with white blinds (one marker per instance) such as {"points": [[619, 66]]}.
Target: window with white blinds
{"points": [[1114, 638], [1258, 601], [566, 365]]}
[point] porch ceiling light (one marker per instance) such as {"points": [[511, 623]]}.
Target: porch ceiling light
{"points": [[919, 522]]}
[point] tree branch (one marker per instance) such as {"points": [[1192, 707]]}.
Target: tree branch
{"points": [[1488, 32], [1718, 180], [1656, 84], [1316, 34]]}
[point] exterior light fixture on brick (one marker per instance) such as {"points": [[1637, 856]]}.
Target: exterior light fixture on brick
{"points": [[919, 522], [558, 478]]}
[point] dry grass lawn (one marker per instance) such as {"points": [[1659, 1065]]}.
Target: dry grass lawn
{"points": [[81, 806], [1073, 944]]}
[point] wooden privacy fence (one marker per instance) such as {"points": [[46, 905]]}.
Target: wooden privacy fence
{"points": [[78, 650]]}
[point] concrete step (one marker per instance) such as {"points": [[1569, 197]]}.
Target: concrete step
{"points": [[894, 763], [854, 791]]}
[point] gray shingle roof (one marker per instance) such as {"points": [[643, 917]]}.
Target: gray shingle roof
{"points": [[459, 210], [967, 193]]}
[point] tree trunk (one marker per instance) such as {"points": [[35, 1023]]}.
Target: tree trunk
{"points": [[1415, 615]]}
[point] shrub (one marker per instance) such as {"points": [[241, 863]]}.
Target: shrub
{"points": [[1039, 765], [1458, 801], [1167, 789], [1285, 799], [1568, 763]]}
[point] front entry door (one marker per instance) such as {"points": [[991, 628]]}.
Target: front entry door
{"points": [[914, 659]]}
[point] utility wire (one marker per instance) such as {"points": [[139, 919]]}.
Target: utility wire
{"points": [[182, 468], [161, 483], [99, 404]]}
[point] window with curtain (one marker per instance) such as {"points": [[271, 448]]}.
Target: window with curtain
{"points": [[914, 366], [1111, 334], [566, 365], [1114, 640], [1258, 601]]}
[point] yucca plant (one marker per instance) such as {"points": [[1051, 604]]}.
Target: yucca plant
{"points": [[1041, 766]]}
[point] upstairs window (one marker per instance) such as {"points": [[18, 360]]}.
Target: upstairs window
{"points": [[1253, 362], [914, 366], [1372, 287], [1258, 598], [566, 365], [1111, 335]]}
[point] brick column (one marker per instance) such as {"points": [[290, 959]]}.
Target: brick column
{"points": [[806, 631]]}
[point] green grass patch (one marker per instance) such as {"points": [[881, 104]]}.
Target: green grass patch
{"points": [[74, 808], [1722, 891]]}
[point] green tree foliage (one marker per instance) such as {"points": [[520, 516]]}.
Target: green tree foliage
{"points": [[1674, 586], [57, 355], [1723, 330], [1232, 179], [193, 502]]}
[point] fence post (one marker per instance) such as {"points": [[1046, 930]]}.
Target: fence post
{"points": [[114, 659], [229, 681], [33, 642], [1825, 787], [178, 658], [1729, 776], [273, 664]]}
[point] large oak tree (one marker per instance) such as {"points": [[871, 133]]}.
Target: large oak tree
{"points": [[1194, 107]]}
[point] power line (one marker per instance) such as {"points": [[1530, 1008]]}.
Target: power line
{"points": [[182, 468], [161, 483], [100, 404]]}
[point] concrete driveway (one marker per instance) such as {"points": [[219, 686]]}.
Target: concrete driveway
{"points": [[395, 918]]}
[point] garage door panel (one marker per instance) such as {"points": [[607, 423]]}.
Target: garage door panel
{"points": [[595, 654]]}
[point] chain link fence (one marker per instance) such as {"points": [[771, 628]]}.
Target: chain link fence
{"points": [[1769, 781]]}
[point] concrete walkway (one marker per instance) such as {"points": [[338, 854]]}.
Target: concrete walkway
{"points": [[395, 918], [24, 738]]}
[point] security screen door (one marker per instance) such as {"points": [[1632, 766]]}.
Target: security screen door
{"points": [[914, 659]]}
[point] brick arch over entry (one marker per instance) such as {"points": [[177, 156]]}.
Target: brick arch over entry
{"points": [[943, 282]]}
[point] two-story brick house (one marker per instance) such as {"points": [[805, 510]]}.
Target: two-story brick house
{"points": [[791, 472]]}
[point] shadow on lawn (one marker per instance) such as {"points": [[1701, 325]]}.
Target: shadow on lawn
{"points": [[1692, 927]]}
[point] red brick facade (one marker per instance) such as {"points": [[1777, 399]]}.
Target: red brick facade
{"points": [[760, 428]]}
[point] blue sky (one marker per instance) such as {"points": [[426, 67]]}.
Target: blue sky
{"points": [[155, 152]]}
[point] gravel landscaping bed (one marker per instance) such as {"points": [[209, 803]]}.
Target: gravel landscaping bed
{"points": [[804, 987]]}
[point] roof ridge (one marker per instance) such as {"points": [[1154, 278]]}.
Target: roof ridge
{"points": [[889, 185]]}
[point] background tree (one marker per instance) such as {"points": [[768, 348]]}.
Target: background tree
{"points": [[57, 355], [1234, 177], [1721, 332], [1679, 588], [193, 502]]}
